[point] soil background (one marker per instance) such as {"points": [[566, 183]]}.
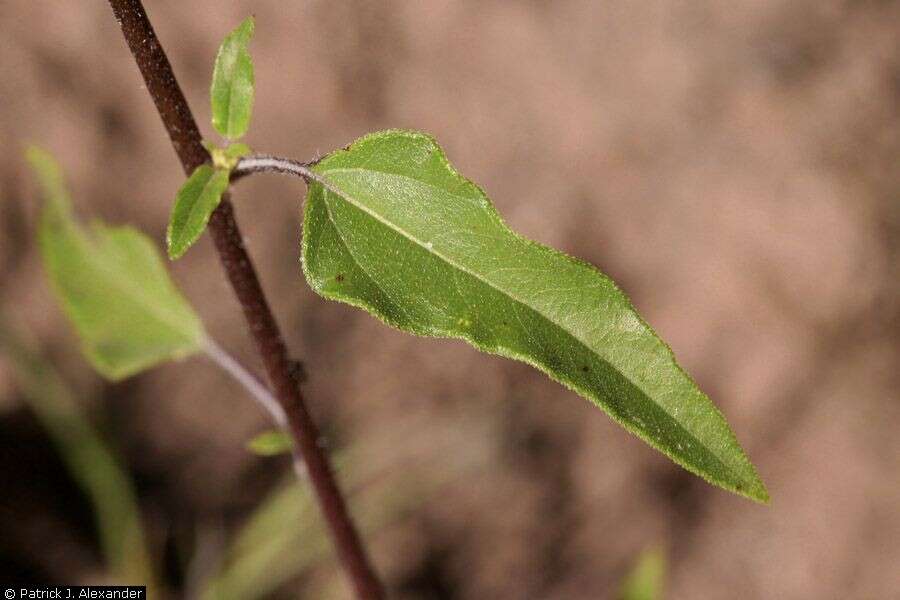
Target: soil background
{"points": [[732, 165]]}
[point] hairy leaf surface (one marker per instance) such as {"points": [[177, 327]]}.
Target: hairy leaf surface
{"points": [[231, 92], [390, 227], [113, 285], [195, 202]]}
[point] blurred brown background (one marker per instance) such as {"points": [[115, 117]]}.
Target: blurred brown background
{"points": [[732, 165]]}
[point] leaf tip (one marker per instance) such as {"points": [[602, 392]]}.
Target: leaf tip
{"points": [[247, 27], [45, 167], [758, 492], [35, 155], [748, 484], [173, 252]]}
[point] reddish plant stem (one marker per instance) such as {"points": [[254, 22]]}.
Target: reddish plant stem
{"points": [[179, 122]]}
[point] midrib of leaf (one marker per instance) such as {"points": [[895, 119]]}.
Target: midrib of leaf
{"points": [[231, 86], [330, 187]]}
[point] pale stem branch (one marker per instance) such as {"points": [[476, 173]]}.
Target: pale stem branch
{"points": [[257, 390], [264, 163], [251, 383]]}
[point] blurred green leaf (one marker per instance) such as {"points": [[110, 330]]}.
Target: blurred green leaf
{"points": [[645, 581], [113, 285], [92, 464], [195, 202], [232, 83], [392, 228], [270, 443], [266, 552], [285, 535]]}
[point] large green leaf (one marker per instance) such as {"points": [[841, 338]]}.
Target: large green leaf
{"points": [[390, 227], [231, 92], [195, 202], [113, 285]]}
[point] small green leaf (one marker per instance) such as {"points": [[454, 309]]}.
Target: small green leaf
{"points": [[645, 581], [113, 285], [390, 227], [270, 443], [195, 202], [232, 83]]}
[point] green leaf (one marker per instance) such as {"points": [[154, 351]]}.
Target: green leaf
{"points": [[645, 581], [195, 202], [113, 285], [270, 443], [264, 554], [232, 83], [390, 227]]}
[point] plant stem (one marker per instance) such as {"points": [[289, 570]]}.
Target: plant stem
{"points": [[263, 163], [179, 122], [258, 391]]}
